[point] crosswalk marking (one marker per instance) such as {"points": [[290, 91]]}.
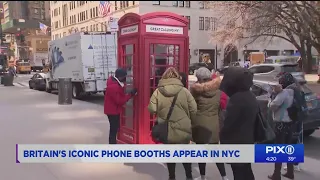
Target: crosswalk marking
{"points": [[21, 84]]}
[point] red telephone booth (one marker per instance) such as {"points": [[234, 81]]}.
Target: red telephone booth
{"points": [[147, 46]]}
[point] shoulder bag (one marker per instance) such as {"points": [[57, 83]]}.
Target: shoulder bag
{"points": [[263, 131], [160, 131]]}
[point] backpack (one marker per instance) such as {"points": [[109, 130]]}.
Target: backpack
{"points": [[296, 110]]}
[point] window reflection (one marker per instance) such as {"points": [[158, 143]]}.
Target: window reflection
{"points": [[128, 49]]}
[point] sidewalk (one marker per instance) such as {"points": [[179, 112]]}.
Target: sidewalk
{"points": [[35, 117], [312, 78]]}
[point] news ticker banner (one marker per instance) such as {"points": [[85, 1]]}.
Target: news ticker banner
{"points": [[89, 153]]}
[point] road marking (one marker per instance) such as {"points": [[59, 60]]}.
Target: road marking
{"points": [[21, 84]]}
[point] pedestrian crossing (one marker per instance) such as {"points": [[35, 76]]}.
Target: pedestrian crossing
{"points": [[21, 84]]}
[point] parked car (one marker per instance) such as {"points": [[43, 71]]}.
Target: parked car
{"points": [[272, 71], [262, 91], [196, 66], [225, 68], [38, 81]]}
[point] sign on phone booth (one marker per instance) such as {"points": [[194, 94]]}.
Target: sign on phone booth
{"points": [[147, 46]]}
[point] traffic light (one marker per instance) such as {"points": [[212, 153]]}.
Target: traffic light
{"points": [[20, 37], [3, 37]]}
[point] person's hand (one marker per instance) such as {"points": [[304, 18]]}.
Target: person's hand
{"points": [[133, 91]]}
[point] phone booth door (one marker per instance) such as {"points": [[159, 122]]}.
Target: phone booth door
{"points": [[128, 130], [161, 54]]}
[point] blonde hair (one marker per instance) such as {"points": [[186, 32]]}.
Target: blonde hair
{"points": [[171, 72]]}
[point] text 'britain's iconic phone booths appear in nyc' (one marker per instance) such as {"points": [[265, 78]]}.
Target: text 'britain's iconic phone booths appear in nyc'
{"points": [[147, 46]]}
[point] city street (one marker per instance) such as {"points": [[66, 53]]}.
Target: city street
{"points": [[30, 117]]}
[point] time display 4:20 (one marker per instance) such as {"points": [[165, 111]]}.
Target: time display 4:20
{"points": [[271, 159]]}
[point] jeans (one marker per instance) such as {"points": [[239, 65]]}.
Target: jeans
{"points": [[220, 166], [283, 136], [114, 121], [242, 171], [172, 170]]}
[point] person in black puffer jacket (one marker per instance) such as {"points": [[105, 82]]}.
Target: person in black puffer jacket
{"points": [[240, 117]]}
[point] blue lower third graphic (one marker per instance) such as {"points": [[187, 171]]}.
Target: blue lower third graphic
{"points": [[272, 153]]}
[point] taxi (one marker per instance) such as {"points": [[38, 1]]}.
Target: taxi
{"points": [[23, 67]]}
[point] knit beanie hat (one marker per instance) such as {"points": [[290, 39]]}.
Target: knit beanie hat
{"points": [[203, 74], [120, 73]]}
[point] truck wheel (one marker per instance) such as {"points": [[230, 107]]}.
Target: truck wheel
{"points": [[76, 91], [307, 133]]}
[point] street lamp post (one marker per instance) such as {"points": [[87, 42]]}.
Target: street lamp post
{"points": [[216, 58], [245, 53], [265, 54]]}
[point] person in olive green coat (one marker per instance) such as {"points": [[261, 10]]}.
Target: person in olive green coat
{"points": [[184, 111], [205, 129]]}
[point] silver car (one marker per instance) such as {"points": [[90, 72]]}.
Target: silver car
{"points": [[271, 72]]}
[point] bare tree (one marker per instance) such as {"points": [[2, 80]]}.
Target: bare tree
{"points": [[297, 22]]}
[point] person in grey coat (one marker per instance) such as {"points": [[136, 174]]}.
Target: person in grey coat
{"points": [[283, 123]]}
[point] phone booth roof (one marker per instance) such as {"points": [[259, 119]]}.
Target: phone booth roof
{"points": [[147, 45], [164, 20]]}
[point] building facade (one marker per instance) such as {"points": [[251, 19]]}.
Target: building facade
{"points": [[71, 16], [21, 26]]}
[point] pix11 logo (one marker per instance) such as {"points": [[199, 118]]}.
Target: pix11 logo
{"points": [[289, 149]]}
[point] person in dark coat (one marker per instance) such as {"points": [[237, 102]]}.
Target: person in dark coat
{"points": [[183, 79], [240, 117], [114, 99]]}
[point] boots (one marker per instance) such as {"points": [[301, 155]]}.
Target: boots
{"points": [[274, 177]]}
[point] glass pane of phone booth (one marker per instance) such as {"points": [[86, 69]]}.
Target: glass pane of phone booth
{"points": [[128, 55], [162, 56]]}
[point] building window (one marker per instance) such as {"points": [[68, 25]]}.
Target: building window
{"points": [[181, 3], [94, 28], [97, 12], [90, 28], [213, 22], [97, 27], [102, 27], [156, 2], [175, 3], [201, 3], [207, 23], [93, 12], [116, 5], [187, 4], [36, 10], [127, 3], [188, 17], [90, 13], [201, 23], [86, 14], [133, 3], [87, 28]]}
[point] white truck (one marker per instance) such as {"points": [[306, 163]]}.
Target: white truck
{"points": [[87, 58], [38, 60]]}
